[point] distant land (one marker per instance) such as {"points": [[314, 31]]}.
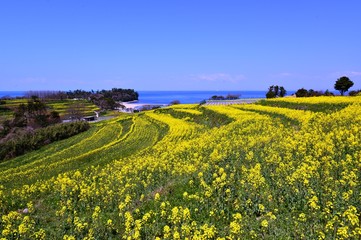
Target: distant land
{"points": [[165, 97]]}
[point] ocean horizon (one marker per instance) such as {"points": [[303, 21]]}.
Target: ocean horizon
{"points": [[165, 97]]}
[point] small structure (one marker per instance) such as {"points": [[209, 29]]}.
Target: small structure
{"points": [[127, 110], [89, 118]]}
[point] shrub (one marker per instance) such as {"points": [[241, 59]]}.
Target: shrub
{"points": [[25, 140], [355, 93]]}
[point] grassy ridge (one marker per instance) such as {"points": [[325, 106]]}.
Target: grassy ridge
{"points": [[247, 171], [314, 104]]}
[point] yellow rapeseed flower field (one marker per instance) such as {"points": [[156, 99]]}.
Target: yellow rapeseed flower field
{"points": [[253, 171]]}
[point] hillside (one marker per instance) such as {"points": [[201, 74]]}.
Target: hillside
{"points": [[63, 107], [279, 169]]}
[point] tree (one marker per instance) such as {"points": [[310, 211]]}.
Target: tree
{"points": [[312, 93], [283, 92], [232, 96], [276, 91], [76, 111], [20, 116], [270, 93], [175, 102], [216, 97], [108, 104], [301, 93], [37, 114], [34, 114], [328, 93], [343, 84], [54, 117], [354, 93]]}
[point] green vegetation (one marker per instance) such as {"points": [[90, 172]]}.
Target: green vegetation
{"points": [[276, 91], [84, 103], [343, 84], [206, 117], [61, 106], [21, 142], [33, 125], [312, 93], [355, 93], [228, 97], [255, 171], [314, 107]]}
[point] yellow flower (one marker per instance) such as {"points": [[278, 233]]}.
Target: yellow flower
{"points": [[211, 213], [96, 212], [110, 223], [176, 215], [67, 237], [166, 231], [186, 214], [261, 207], [176, 235], [351, 215], [342, 232], [235, 227], [209, 231], [302, 217], [264, 223], [313, 203], [156, 196], [23, 229], [345, 196]]}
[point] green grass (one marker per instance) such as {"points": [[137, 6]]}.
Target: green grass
{"points": [[207, 117], [314, 107]]}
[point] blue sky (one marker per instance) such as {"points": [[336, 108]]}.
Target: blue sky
{"points": [[178, 45]]}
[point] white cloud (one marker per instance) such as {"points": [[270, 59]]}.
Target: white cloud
{"points": [[346, 73], [282, 74], [217, 77], [285, 74], [355, 73]]}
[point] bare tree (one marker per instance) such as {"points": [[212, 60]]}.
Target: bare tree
{"points": [[76, 111]]}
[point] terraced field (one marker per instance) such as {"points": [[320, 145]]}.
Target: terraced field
{"points": [[87, 108], [280, 169]]}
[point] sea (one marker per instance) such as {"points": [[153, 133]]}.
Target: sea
{"points": [[12, 94], [165, 97]]}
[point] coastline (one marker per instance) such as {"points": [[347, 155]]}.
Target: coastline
{"points": [[132, 105]]}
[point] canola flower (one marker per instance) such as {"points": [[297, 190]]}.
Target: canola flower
{"points": [[259, 176]]}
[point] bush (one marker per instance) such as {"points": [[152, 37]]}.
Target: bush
{"points": [[312, 93], [276, 91], [24, 140], [174, 102], [354, 93], [302, 93]]}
